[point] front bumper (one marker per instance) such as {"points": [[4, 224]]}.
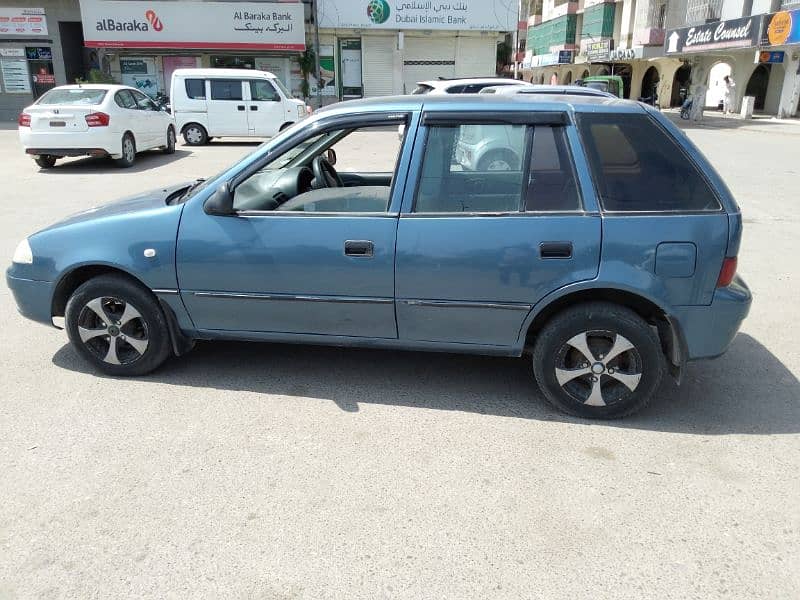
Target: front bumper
{"points": [[709, 330], [34, 298]]}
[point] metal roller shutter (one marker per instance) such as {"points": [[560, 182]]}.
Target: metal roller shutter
{"points": [[427, 58], [377, 64], [476, 57]]}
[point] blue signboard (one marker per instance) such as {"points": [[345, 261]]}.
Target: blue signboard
{"points": [[771, 57]]}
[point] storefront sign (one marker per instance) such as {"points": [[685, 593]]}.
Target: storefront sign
{"points": [[12, 52], [201, 25], [484, 15], [39, 53], [562, 57], [769, 57], [782, 28], [598, 51], [15, 76], [140, 73], [733, 33], [625, 54], [132, 65], [22, 21]]}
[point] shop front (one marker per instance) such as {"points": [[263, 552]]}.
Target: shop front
{"points": [[31, 55], [377, 48], [780, 40], [145, 42]]}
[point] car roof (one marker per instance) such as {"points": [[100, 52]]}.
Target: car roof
{"points": [[92, 86], [576, 90], [465, 80], [484, 103], [222, 73]]}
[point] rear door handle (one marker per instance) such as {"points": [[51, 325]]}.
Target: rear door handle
{"points": [[240, 107], [364, 248], [253, 107], [555, 250]]}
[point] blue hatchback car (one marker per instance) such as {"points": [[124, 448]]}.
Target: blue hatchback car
{"points": [[588, 233]]}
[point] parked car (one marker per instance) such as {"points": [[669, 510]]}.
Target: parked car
{"points": [[210, 103], [543, 89], [94, 120], [608, 255], [459, 85]]}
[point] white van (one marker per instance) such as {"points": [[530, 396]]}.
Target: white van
{"points": [[210, 103]]}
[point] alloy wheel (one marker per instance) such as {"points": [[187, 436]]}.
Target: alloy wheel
{"points": [[598, 368], [128, 150], [113, 330]]}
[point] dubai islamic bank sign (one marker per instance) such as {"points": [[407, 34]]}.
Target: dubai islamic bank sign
{"points": [[197, 25], [477, 15]]}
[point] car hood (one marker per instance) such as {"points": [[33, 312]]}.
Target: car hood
{"points": [[132, 204]]}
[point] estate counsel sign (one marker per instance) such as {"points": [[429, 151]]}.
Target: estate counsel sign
{"points": [[200, 25], [481, 15], [733, 33]]}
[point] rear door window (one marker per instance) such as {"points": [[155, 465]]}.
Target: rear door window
{"points": [[226, 89], [551, 181], [196, 89], [124, 99], [638, 167]]}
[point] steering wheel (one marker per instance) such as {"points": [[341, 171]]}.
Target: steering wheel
{"points": [[324, 173]]}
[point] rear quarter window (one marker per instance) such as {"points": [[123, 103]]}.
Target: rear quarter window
{"points": [[638, 167]]}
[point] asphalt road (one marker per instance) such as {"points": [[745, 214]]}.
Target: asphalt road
{"points": [[272, 472]]}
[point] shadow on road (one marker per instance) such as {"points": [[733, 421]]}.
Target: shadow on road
{"points": [[747, 391], [151, 159]]}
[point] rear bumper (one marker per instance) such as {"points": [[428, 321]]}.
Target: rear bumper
{"points": [[709, 330], [34, 298], [67, 151]]}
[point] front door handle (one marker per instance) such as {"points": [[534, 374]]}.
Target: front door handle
{"points": [[555, 250], [253, 107], [363, 248], [240, 107]]}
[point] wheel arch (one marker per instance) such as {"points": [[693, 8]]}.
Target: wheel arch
{"points": [[669, 332], [188, 124], [285, 125], [77, 276]]}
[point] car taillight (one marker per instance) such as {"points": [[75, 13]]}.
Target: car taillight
{"points": [[24, 120], [727, 272], [97, 119]]}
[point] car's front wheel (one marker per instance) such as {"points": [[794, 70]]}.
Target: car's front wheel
{"points": [[169, 147], [598, 360], [117, 326], [45, 161]]}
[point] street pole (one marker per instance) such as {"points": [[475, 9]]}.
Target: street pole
{"points": [[516, 38], [316, 52]]}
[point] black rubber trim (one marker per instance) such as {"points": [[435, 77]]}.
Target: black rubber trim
{"points": [[454, 119]]}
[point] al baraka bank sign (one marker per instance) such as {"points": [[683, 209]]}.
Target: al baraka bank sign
{"points": [[195, 25]]}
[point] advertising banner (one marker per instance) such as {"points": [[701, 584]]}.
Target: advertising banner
{"points": [[22, 21], [782, 28], [480, 15], [733, 33], [202, 25], [15, 76]]}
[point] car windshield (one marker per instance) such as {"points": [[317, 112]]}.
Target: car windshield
{"points": [[597, 85], [282, 87], [73, 96]]}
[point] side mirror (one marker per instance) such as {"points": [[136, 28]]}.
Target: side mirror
{"points": [[330, 156], [220, 203]]}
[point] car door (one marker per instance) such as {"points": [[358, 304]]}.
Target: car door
{"points": [[292, 274], [150, 121], [131, 116], [227, 114], [265, 112], [476, 250]]}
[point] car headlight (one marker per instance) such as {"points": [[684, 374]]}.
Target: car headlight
{"points": [[23, 254]]}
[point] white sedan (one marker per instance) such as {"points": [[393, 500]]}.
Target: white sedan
{"points": [[94, 120]]}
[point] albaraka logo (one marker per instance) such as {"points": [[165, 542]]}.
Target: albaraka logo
{"points": [[133, 24]]}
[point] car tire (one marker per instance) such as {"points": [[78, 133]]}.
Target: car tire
{"points": [[45, 161], [169, 148], [622, 372], [128, 152], [498, 160], [195, 135], [117, 326]]}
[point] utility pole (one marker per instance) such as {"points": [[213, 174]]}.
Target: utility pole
{"points": [[315, 14], [516, 37]]}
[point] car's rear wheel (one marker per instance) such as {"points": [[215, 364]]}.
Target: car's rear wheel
{"points": [[45, 161], [117, 326], [498, 160], [169, 147], [598, 360], [128, 152], [195, 135]]}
